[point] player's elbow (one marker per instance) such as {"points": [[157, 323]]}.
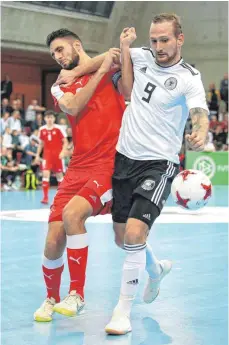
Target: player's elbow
{"points": [[67, 106]]}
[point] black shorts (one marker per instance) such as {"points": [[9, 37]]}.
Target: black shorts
{"points": [[150, 179]]}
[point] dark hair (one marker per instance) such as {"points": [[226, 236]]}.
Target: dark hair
{"points": [[169, 17], [61, 33], [50, 112]]}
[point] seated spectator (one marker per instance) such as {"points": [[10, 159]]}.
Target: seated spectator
{"points": [[30, 115], [220, 137], [23, 139], [15, 122], [30, 151], [9, 169], [7, 139], [4, 122], [6, 106], [39, 121], [17, 105], [35, 135], [213, 123], [213, 99], [63, 124], [224, 90]]}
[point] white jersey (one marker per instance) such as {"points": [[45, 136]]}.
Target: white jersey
{"points": [[153, 123]]}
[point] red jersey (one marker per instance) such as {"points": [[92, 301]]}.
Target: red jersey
{"points": [[52, 139], [95, 130]]}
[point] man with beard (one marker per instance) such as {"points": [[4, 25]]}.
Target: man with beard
{"points": [[164, 91], [94, 108]]}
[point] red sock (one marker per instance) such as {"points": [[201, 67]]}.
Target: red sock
{"points": [[77, 263], [45, 187], [52, 279]]}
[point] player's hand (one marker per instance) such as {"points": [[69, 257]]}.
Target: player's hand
{"points": [[127, 37], [112, 57], [66, 78], [195, 141]]}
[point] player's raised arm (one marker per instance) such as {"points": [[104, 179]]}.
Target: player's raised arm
{"points": [[127, 37], [200, 124], [74, 104], [67, 77]]}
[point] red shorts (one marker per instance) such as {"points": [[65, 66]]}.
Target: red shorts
{"points": [[54, 164], [95, 187]]}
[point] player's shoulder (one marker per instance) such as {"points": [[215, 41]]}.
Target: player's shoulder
{"points": [[42, 128], [188, 70], [141, 51]]}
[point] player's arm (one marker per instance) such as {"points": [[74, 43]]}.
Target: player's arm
{"points": [[39, 150], [127, 37], [74, 104], [64, 151], [66, 77], [200, 125]]}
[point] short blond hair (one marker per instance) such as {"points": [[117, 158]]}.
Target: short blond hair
{"points": [[169, 17]]}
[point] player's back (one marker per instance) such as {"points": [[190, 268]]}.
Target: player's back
{"points": [[95, 130]]}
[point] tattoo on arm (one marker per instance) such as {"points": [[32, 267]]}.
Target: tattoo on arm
{"points": [[199, 118]]}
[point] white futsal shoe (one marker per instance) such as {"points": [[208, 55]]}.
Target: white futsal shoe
{"points": [[44, 313], [119, 324], [71, 305], [152, 288]]}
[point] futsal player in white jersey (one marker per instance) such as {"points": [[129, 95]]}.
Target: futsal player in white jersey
{"points": [[164, 91]]}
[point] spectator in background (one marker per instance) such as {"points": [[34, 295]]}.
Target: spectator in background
{"points": [[9, 169], [4, 122], [38, 122], [224, 123], [213, 99], [213, 123], [5, 106], [17, 105], [7, 138], [224, 90], [30, 154], [31, 111], [63, 124], [6, 87], [15, 121], [219, 137], [23, 139]]}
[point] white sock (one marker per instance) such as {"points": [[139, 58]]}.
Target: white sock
{"points": [[153, 266], [134, 264]]}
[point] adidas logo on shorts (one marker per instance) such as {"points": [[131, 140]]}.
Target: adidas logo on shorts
{"points": [[147, 216]]}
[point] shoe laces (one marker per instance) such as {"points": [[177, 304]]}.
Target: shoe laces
{"points": [[73, 297], [48, 305]]}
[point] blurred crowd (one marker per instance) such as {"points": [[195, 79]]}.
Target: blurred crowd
{"points": [[19, 141], [19, 132]]}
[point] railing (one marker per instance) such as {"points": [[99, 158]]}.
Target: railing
{"points": [[96, 8]]}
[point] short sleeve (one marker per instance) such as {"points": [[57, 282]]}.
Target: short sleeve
{"points": [[57, 93], [195, 94]]}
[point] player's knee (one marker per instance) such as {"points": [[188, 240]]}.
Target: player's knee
{"points": [[72, 216], [135, 232], [54, 246]]}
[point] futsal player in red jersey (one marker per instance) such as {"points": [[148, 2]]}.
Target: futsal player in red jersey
{"points": [[94, 108], [54, 143]]}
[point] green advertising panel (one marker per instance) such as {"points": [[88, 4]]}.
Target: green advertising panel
{"points": [[213, 164]]}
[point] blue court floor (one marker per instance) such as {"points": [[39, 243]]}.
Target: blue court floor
{"points": [[192, 306]]}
